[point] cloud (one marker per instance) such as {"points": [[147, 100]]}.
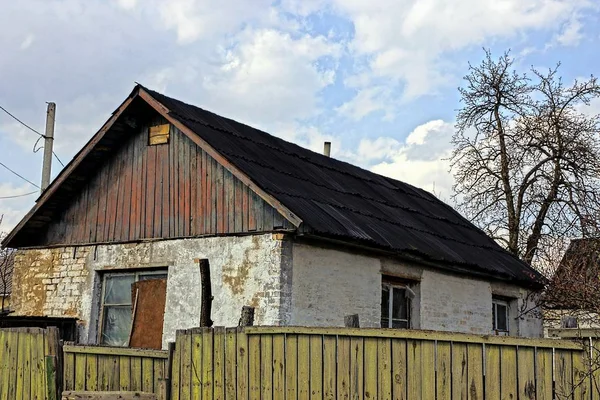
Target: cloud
{"points": [[28, 41], [13, 209], [570, 34]]}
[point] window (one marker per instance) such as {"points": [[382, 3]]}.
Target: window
{"points": [[499, 315], [116, 310], [395, 306]]}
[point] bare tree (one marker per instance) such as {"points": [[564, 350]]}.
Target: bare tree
{"points": [[6, 270], [526, 159]]}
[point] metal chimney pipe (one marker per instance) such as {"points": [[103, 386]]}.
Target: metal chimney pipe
{"points": [[327, 149]]}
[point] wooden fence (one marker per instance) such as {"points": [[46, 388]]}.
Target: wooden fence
{"points": [[312, 363], [95, 368], [28, 363]]}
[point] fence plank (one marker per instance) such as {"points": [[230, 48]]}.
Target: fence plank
{"points": [[254, 377], [303, 367], [329, 367], [219, 363], [291, 367], [357, 349], [343, 368], [399, 369], [444, 371], [91, 371], [370, 367], [581, 382], [492, 372], [543, 374], [37, 385], [279, 367], [103, 370], [147, 375], [508, 360], [428, 370], [230, 363], [384, 369], [189, 363], [135, 373], [5, 350], [21, 340], [563, 365], [316, 366], [266, 367], [113, 376], [475, 370], [69, 371], [27, 366], [80, 372], [125, 373], [459, 371], [242, 365]]}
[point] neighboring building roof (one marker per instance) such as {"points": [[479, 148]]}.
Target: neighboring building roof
{"points": [[576, 282], [340, 201]]}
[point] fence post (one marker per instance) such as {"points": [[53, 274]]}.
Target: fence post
{"points": [[55, 349], [51, 377]]}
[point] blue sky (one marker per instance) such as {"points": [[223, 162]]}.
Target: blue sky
{"points": [[377, 78]]}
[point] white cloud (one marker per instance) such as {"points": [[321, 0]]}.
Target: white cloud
{"points": [[13, 209], [127, 4], [366, 101], [28, 41], [570, 34]]}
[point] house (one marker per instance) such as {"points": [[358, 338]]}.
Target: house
{"points": [[572, 299], [304, 238]]}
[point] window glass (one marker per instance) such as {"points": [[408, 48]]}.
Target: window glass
{"points": [[146, 277], [395, 307], [501, 311], [116, 325], [117, 289], [385, 307], [400, 307]]}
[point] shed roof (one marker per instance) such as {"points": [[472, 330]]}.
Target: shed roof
{"points": [[341, 201]]}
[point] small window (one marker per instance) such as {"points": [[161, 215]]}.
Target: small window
{"points": [[116, 310], [158, 134], [395, 307], [499, 315]]}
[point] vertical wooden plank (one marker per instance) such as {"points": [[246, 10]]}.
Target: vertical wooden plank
{"points": [[357, 360], [135, 373], [143, 176], [201, 184], [26, 348], [428, 370], [116, 193], [414, 368], [91, 372], [147, 375], [370, 368], [35, 364], [114, 372], [399, 369], [80, 370], [14, 343], [526, 372], [492, 372], [279, 367], [242, 365], [166, 190], [266, 367], [21, 339], [245, 209], [158, 191], [183, 159], [543, 374], [329, 367], [207, 363], [254, 372], [316, 366], [291, 366], [343, 368], [193, 178], [581, 381], [444, 371], [384, 368], [103, 371], [69, 371], [174, 210], [188, 365], [508, 372], [214, 186], [125, 212], [150, 212], [475, 370], [230, 363], [252, 217], [4, 357], [238, 207], [102, 195], [159, 373], [176, 366], [303, 367], [134, 230], [219, 363], [125, 373], [208, 199], [231, 209], [459, 371]]}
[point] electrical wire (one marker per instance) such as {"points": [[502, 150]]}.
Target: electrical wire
{"points": [[34, 131], [18, 195], [19, 175]]}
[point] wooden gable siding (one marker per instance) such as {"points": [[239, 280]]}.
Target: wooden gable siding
{"points": [[169, 190]]}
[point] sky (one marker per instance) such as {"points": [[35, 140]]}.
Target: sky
{"points": [[377, 78]]}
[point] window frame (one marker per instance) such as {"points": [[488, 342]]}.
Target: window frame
{"points": [[503, 302], [391, 286], [136, 278]]}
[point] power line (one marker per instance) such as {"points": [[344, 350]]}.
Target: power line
{"points": [[19, 175], [33, 130], [18, 195]]}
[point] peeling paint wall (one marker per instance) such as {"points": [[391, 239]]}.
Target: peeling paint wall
{"points": [[245, 270]]}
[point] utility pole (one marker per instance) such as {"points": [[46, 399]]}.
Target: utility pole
{"points": [[48, 143]]}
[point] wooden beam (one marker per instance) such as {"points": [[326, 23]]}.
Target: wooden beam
{"points": [[165, 112], [207, 297], [116, 351]]}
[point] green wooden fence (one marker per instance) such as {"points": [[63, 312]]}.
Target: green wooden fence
{"points": [[96, 368], [28, 363], [312, 363]]}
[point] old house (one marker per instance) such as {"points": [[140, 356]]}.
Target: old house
{"points": [[304, 238], [572, 300]]}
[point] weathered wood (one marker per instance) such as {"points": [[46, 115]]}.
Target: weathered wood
{"points": [[247, 318], [384, 369], [120, 395], [291, 366], [51, 377], [351, 321], [278, 367], [304, 362], [120, 351], [444, 371], [207, 297]]}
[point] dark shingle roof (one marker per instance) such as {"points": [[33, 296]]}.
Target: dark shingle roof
{"points": [[339, 200]]}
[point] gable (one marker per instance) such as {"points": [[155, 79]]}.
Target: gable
{"points": [[147, 191]]}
